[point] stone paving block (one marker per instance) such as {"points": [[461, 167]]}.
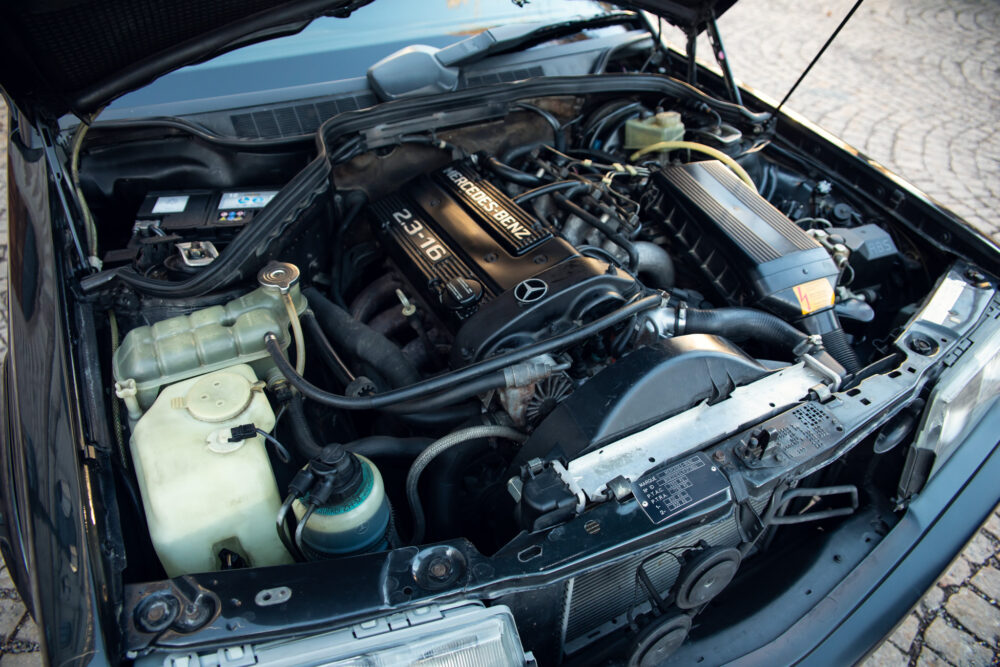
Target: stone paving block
{"points": [[11, 613], [980, 549], [956, 575], [993, 525], [21, 660], [987, 580], [975, 614], [931, 602], [929, 658], [907, 631], [956, 646], [28, 631], [887, 655], [6, 583]]}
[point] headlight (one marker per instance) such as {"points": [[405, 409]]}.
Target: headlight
{"points": [[964, 393], [433, 636]]}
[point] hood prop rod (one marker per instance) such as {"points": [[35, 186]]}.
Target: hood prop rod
{"points": [[719, 51], [819, 55]]}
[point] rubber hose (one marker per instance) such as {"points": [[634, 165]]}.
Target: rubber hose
{"points": [[656, 263], [386, 447], [452, 415], [300, 343], [508, 173], [447, 381], [739, 324], [481, 385], [699, 148], [305, 441], [557, 135], [354, 202], [546, 189], [836, 344], [326, 350], [518, 152], [448, 441], [361, 341]]}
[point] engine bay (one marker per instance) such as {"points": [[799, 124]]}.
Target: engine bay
{"points": [[601, 337]]}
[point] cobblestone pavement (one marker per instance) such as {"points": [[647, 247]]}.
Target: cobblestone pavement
{"points": [[914, 84]]}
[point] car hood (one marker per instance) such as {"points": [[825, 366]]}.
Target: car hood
{"points": [[59, 56]]}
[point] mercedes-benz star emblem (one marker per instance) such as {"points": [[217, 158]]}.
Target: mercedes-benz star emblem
{"points": [[530, 290]]}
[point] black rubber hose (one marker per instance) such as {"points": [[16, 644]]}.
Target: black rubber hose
{"points": [[547, 189], [354, 202], [508, 173], [361, 341], [481, 385], [827, 325], [443, 418], [836, 344], [326, 350], [614, 236], [739, 324], [448, 381], [386, 447], [305, 441], [557, 135], [518, 152]]}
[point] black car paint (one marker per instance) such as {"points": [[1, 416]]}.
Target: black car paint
{"points": [[47, 534], [55, 454]]}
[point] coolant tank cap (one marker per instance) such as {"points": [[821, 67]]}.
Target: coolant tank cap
{"points": [[280, 275], [218, 397]]}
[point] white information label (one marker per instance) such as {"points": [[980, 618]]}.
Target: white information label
{"points": [[174, 204], [246, 199]]}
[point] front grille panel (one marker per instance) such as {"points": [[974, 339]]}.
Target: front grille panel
{"points": [[597, 602]]}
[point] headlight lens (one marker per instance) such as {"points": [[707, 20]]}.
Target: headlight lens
{"points": [[453, 635], [961, 397], [490, 641]]}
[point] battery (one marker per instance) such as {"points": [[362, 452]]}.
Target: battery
{"points": [[181, 210]]}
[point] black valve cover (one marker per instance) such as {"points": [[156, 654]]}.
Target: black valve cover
{"points": [[501, 277]]}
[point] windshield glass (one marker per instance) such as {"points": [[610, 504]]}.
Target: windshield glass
{"points": [[334, 49]]}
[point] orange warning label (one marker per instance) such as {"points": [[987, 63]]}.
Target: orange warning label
{"points": [[814, 295]]}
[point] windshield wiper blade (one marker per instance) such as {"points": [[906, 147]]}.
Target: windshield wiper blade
{"points": [[518, 36]]}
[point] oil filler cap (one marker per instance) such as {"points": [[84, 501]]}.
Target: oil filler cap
{"points": [[461, 293], [218, 397]]}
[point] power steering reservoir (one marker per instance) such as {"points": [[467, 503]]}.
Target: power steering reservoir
{"points": [[354, 520]]}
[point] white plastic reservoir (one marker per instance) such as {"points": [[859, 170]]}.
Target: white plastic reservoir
{"points": [[202, 493]]}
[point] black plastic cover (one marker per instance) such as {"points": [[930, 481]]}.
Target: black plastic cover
{"points": [[464, 244], [645, 386], [751, 252], [542, 306], [873, 252]]}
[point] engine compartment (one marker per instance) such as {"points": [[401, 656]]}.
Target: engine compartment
{"points": [[620, 314]]}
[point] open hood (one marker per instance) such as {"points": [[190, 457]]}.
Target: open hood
{"points": [[59, 56]]}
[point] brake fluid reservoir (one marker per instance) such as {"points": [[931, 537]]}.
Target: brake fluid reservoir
{"points": [[356, 524], [202, 493]]}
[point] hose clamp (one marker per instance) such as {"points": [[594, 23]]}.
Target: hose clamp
{"points": [[681, 318]]}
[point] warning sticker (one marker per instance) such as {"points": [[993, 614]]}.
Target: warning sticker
{"points": [[814, 295]]}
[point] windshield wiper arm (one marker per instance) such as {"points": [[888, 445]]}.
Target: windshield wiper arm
{"points": [[517, 36]]}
